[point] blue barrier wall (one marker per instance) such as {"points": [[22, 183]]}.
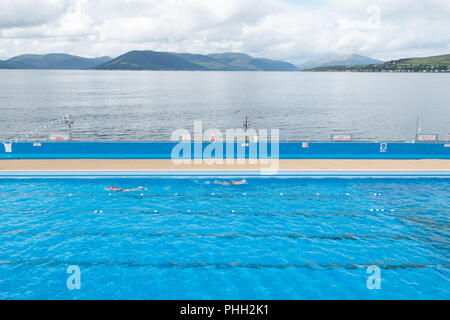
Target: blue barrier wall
{"points": [[163, 150]]}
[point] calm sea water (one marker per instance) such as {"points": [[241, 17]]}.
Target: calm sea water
{"points": [[189, 238], [121, 105]]}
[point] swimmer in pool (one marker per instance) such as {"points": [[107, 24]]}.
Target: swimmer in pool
{"points": [[227, 183], [112, 188]]}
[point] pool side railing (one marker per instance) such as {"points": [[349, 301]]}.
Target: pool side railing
{"points": [[282, 150], [159, 137]]}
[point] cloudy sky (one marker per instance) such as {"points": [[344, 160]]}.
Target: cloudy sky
{"points": [[280, 29]]}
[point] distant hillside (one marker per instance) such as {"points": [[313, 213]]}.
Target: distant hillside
{"points": [[242, 61], [443, 60], [205, 61], [153, 60], [13, 65], [239, 61], [345, 60], [55, 61], [149, 60], [231, 61], [427, 64]]}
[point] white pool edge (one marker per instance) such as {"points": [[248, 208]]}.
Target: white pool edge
{"points": [[158, 173]]}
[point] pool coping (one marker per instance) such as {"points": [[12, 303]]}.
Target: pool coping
{"points": [[281, 168], [228, 173]]}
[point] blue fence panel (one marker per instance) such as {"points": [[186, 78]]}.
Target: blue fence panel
{"points": [[163, 150]]}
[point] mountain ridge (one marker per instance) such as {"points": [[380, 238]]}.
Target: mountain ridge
{"points": [[155, 60], [55, 61], [228, 61], [13, 65], [149, 60], [342, 60]]}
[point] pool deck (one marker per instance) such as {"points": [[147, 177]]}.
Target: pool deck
{"points": [[321, 167]]}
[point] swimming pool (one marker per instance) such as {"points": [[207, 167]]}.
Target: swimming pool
{"points": [[188, 238]]}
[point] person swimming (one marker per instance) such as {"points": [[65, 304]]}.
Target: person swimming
{"points": [[227, 183], [112, 188]]}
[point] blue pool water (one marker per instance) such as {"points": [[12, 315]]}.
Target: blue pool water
{"points": [[188, 238]]}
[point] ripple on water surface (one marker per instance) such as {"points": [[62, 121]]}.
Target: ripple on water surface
{"points": [[191, 239]]}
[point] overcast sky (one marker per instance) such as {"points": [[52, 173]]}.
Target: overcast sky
{"points": [[280, 29]]}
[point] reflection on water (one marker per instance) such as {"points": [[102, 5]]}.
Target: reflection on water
{"points": [[122, 105]]}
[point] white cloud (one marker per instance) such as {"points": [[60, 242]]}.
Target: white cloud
{"points": [[270, 28], [23, 13]]}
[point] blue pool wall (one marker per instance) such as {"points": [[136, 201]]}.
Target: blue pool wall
{"points": [[285, 150]]}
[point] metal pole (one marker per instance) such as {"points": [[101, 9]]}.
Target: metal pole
{"points": [[417, 129], [246, 125], [69, 124]]}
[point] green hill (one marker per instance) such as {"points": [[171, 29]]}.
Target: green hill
{"points": [[149, 60], [205, 61], [427, 64], [437, 61], [242, 61], [238, 61], [272, 65], [13, 65], [55, 61], [153, 60]]}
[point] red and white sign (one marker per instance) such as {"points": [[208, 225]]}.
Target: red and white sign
{"points": [[427, 137], [341, 137], [59, 137], [305, 145]]}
